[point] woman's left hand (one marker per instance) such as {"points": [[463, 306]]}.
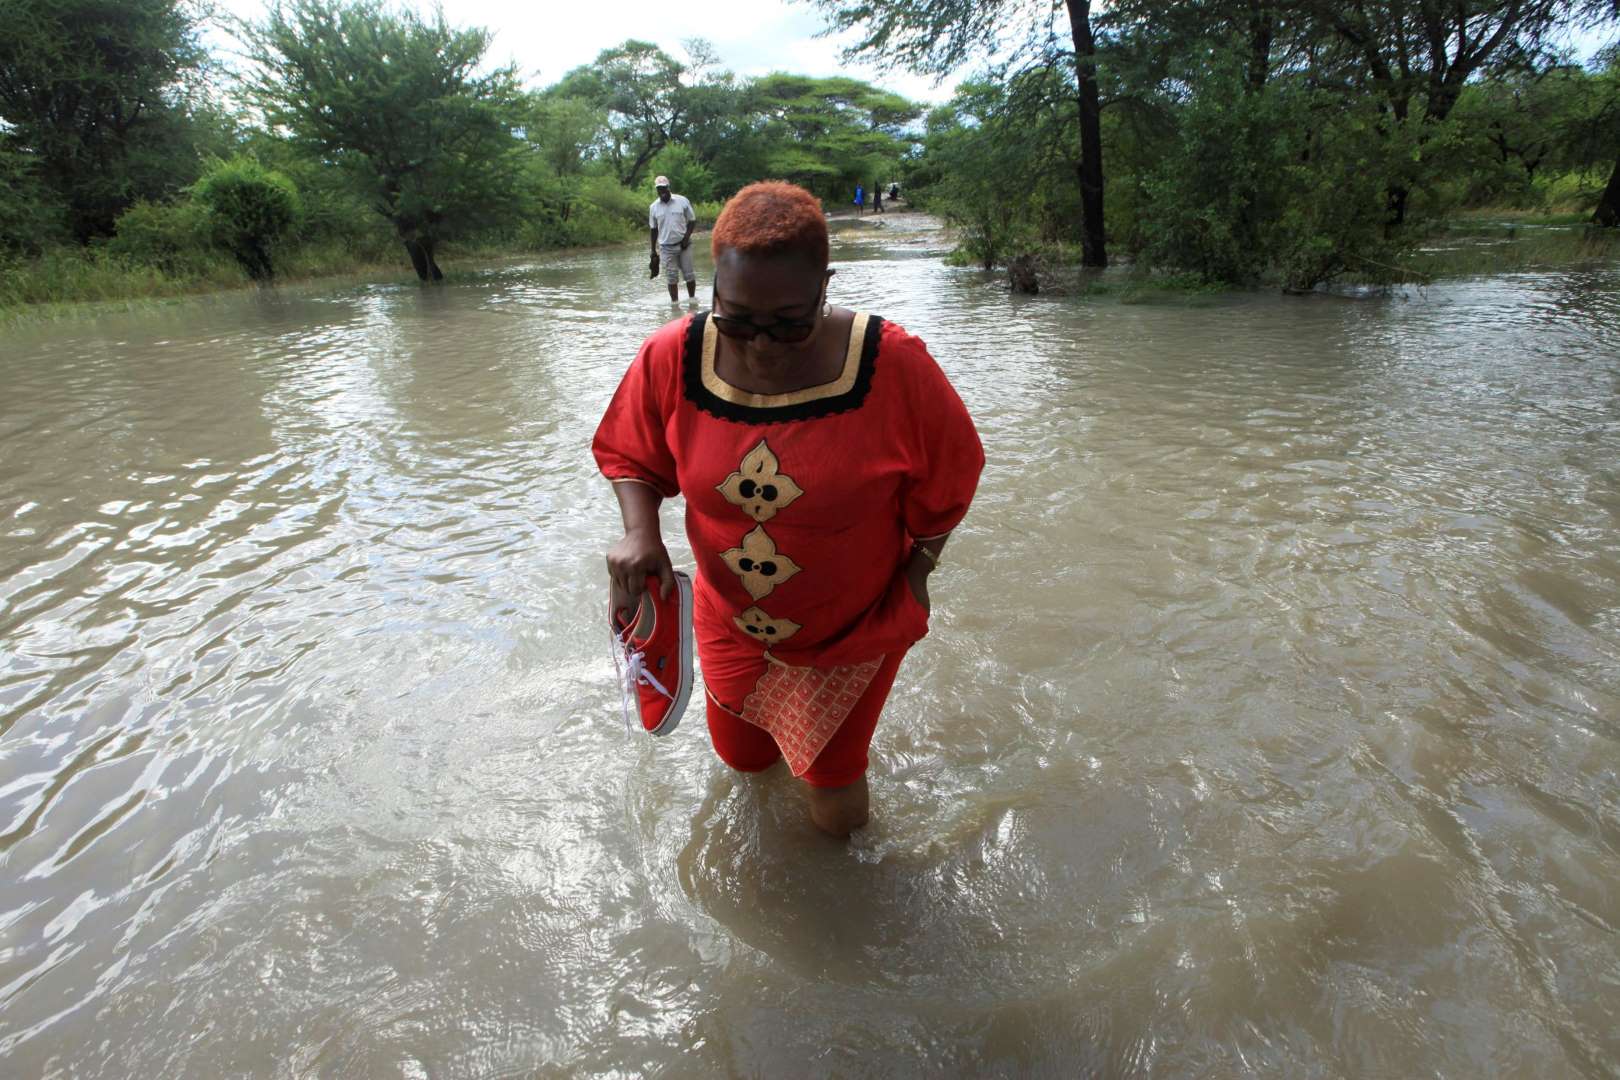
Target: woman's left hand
{"points": [[918, 568]]}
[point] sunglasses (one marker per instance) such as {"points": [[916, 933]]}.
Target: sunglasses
{"points": [[782, 330]]}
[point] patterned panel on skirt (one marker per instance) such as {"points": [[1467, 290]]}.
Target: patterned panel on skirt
{"points": [[802, 708]]}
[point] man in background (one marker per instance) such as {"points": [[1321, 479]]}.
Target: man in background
{"points": [[669, 222]]}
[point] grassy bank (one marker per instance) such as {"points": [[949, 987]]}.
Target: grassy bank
{"points": [[171, 262], [64, 278], [1475, 243], [1498, 242], [66, 282]]}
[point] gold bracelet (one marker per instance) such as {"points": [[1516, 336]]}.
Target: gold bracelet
{"points": [[932, 557]]}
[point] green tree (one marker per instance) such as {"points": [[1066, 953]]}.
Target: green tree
{"points": [[998, 163], [1602, 133], [938, 36], [250, 210], [561, 131], [1286, 185], [31, 218], [1417, 59], [974, 161], [1607, 213], [638, 86], [94, 93], [828, 134], [396, 100], [687, 173]]}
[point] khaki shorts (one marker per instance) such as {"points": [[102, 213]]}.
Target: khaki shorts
{"points": [[676, 263]]}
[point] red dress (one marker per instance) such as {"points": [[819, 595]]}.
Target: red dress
{"points": [[801, 508]]}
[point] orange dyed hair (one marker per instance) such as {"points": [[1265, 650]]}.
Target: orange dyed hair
{"points": [[772, 217]]}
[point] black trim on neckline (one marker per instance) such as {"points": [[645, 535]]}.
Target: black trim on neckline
{"points": [[709, 402]]}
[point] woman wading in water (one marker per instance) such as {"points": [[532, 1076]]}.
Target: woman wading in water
{"points": [[825, 459]]}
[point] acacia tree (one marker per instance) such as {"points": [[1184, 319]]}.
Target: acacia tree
{"points": [[398, 102], [992, 138], [92, 97], [562, 131], [1413, 62], [1607, 213], [639, 87], [827, 134], [937, 36], [1607, 119], [1418, 58]]}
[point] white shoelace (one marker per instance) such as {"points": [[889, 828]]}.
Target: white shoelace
{"points": [[632, 674]]}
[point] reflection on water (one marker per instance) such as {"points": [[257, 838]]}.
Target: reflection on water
{"points": [[1269, 724]]}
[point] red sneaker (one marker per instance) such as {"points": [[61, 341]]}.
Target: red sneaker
{"points": [[653, 654]]}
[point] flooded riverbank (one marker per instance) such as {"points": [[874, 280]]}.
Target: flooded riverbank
{"points": [[1269, 721]]}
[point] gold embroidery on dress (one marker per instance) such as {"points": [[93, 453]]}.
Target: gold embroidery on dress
{"points": [[759, 488], [842, 385], [761, 567], [761, 627]]}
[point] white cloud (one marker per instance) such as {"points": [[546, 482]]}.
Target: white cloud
{"points": [[752, 37]]}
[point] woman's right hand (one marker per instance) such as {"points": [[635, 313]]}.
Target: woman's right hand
{"points": [[635, 555]]}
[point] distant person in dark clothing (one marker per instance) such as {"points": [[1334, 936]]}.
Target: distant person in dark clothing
{"points": [[877, 200], [894, 192]]}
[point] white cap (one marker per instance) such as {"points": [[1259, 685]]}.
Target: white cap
{"points": [[660, 181]]}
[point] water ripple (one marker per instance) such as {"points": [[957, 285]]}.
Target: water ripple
{"points": [[1268, 725]]}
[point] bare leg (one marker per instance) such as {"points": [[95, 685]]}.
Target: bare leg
{"points": [[838, 811], [674, 293], [691, 289]]}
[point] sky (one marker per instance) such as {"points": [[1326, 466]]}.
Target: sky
{"points": [[752, 37]]}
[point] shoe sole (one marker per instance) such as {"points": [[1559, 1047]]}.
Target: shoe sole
{"points": [[683, 692]]}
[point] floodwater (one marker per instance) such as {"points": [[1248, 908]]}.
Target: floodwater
{"points": [[1270, 724]]}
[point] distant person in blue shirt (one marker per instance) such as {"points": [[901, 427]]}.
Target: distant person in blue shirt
{"points": [[860, 199], [670, 220]]}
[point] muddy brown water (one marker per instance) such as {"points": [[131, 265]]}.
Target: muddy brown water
{"points": [[1270, 724]]}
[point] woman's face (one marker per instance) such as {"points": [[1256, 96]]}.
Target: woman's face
{"points": [[765, 290]]}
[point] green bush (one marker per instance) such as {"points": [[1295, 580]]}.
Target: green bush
{"points": [[687, 175], [173, 238], [1573, 192], [1287, 186], [706, 212], [73, 274], [250, 210], [581, 211]]}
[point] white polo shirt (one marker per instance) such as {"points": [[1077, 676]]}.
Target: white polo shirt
{"points": [[672, 219]]}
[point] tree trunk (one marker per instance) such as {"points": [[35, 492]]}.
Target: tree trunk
{"points": [[255, 259], [1396, 202], [1093, 248], [1261, 29], [1608, 207], [1021, 272], [643, 159], [418, 258], [421, 253], [433, 267]]}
